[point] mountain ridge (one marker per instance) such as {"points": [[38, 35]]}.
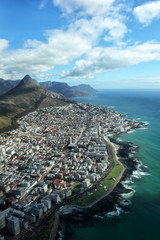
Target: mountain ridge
{"points": [[28, 96], [59, 87], [86, 88], [63, 88]]}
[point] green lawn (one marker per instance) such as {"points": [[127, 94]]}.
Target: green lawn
{"points": [[4, 122], [108, 183], [76, 184]]}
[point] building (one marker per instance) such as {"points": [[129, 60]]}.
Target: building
{"points": [[38, 212], [2, 220], [47, 203], [1, 237], [70, 140], [44, 188], [24, 224], [86, 183], [68, 193], [30, 217], [13, 225], [55, 198], [99, 130]]}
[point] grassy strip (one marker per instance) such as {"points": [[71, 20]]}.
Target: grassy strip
{"points": [[76, 184], [103, 188], [4, 122]]}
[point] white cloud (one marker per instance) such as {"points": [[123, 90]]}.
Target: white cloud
{"points": [[104, 59], [112, 29], [38, 57], [61, 47], [89, 7], [3, 44], [147, 12]]}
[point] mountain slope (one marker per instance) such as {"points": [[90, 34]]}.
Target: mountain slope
{"points": [[27, 96], [63, 88], [58, 87], [86, 88], [6, 85]]}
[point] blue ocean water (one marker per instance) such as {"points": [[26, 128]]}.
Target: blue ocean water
{"points": [[141, 221]]}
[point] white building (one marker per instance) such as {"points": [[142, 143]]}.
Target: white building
{"points": [[55, 198], [86, 183]]}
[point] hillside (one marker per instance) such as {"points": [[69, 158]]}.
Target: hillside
{"points": [[6, 85], [81, 90], [26, 97], [63, 88], [86, 88]]}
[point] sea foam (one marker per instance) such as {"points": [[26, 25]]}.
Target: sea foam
{"points": [[125, 202], [116, 212], [128, 195]]}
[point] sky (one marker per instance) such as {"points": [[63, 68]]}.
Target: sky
{"points": [[104, 43]]}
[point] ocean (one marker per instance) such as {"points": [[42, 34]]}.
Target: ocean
{"points": [[136, 216]]}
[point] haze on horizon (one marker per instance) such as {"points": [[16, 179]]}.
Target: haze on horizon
{"points": [[105, 43]]}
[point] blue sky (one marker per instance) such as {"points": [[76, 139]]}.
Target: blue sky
{"points": [[106, 43]]}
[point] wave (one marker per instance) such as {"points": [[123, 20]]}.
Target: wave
{"points": [[128, 187], [119, 139], [143, 128], [128, 195], [131, 131], [116, 212], [133, 151], [127, 181], [139, 174], [131, 155], [125, 202], [141, 170], [136, 174], [99, 216], [146, 123], [60, 235], [111, 107]]}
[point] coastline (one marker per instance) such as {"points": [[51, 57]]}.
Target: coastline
{"points": [[76, 214], [115, 148], [107, 203], [72, 209]]}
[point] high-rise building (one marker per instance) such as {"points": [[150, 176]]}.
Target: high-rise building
{"points": [[1, 237], [2, 220], [70, 140], [13, 225], [99, 130]]}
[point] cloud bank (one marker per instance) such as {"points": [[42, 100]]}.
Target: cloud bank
{"points": [[147, 12], [93, 40], [83, 7], [105, 59]]}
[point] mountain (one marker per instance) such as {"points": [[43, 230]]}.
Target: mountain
{"points": [[63, 88], [6, 85], [58, 87], [86, 88], [26, 97]]}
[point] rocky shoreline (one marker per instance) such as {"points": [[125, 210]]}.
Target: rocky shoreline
{"points": [[87, 216]]}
